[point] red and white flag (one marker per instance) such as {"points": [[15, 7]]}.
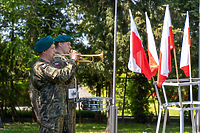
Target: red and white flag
{"points": [[137, 61], [185, 51], [152, 53], [167, 43]]}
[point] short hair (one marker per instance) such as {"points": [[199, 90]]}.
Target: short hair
{"points": [[56, 44]]}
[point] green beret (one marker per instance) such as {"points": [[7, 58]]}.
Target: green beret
{"points": [[62, 38], [43, 44]]}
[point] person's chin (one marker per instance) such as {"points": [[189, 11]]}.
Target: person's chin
{"points": [[53, 57]]}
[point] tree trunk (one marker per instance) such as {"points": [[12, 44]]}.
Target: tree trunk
{"points": [[98, 116], [14, 113], [111, 95], [168, 117], [1, 111], [12, 104], [124, 96], [1, 124], [98, 93]]}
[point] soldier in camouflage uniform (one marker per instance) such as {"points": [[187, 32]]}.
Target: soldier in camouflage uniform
{"points": [[62, 44], [49, 81]]}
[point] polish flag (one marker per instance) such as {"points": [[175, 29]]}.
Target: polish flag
{"points": [[167, 43], [138, 61], [152, 53], [185, 51]]}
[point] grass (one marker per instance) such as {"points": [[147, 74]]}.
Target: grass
{"points": [[92, 127], [131, 128], [86, 127], [20, 128]]}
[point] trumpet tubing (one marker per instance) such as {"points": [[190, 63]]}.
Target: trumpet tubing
{"points": [[87, 55]]}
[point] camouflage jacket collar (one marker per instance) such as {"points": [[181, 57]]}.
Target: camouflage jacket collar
{"points": [[42, 60]]}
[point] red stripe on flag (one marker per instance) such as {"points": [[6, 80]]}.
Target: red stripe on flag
{"points": [[160, 78], [153, 65], [186, 70], [140, 56], [171, 38], [169, 55], [189, 41]]}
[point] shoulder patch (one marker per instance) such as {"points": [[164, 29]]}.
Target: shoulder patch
{"points": [[56, 64], [44, 66]]}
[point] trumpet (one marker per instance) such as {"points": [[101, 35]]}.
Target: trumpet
{"points": [[87, 55]]}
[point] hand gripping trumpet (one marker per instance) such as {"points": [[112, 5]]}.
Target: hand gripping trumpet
{"points": [[87, 55]]}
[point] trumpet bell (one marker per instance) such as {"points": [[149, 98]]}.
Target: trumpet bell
{"points": [[101, 56], [92, 58]]}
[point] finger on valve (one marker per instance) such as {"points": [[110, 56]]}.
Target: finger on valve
{"points": [[73, 54]]}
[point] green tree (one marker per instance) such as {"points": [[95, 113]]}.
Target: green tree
{"points": [[137, 94], [97, 24], [23, 23], [15, 54]]}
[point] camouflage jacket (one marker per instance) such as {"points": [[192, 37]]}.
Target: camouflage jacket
{"points": [[49, 81], [61, 62], [70, 119]]}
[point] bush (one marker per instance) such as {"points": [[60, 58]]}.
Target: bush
{"points": [[28, 114], [88, 114], [137, 92]]}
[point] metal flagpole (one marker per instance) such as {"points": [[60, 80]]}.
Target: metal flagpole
{"points": [[115, 50], [113, 108], [198, 112]]}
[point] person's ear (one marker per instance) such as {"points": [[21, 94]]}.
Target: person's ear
{"points": [[43, 52], [60, 44]]}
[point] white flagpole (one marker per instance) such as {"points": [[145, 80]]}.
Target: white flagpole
{"points": [[113, 108], [115, 50]]}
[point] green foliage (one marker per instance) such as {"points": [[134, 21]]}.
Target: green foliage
{"points": [[22, 113], [97, 24], [120, 99], [22, 24], [88, 114], [28, 113], [137, 92]]}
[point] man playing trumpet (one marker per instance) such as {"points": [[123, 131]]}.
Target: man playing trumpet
{"points": [[63, 46], [48, 80]]}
